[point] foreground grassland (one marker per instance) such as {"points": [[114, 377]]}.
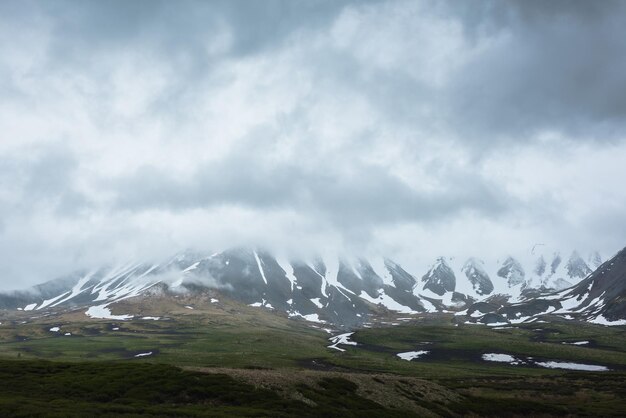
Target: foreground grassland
{"points": [[231, 360]]}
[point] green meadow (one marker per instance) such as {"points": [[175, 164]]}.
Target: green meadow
{"points": [[257, 363]]}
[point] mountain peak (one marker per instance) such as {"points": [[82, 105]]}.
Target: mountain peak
{"points": [[440, 278], [576, 266], [512, 271], [474, 270]]}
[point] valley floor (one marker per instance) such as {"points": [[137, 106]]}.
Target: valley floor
{"points": [[240, 361]]}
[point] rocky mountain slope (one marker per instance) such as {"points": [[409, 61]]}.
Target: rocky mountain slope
{"points": [[599, 298], [341, 291]]}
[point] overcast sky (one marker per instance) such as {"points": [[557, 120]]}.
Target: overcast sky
{"points": [[134, 129]]}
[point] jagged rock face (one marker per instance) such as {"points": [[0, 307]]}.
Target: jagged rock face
{"points": [[576, 266], [483, 307], [599, 298], [556, 262], [478, 277], [493, 318], [512, 271], [460, 299], [440, 278], [401, 279], [359, 278], [603, 292], [540, 267]]}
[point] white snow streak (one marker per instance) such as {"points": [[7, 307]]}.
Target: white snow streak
{"points": [[288, 268], [387, 302], [258, 262], [317, 302], [572, 366]]}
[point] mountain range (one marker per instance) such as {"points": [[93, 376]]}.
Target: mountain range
{"points": [[350, 291]]}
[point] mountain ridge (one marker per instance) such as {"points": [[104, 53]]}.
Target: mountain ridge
{"points": [[342, 291]]}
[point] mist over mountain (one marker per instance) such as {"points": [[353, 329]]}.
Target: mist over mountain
{"points": [[134, 129]]}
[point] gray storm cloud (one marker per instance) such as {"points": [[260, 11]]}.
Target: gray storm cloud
{"points": [[136, 129]]}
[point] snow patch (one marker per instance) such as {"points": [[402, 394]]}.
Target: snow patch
{"points": [[387, 302], [343, 339], [313, 318], [477, 314], [500, 358], [576, 343], [410, 355], [520, 320], [102, 312], [317, 302], [600, 319], [572, 366]]}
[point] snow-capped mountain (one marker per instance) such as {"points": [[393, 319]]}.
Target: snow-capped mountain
{"points": [[440, 278], [344, 291], [598, 298], [601, 297], [559, 273], [474, 270]]}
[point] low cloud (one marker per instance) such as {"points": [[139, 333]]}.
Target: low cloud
{"points": [[415, 129]]}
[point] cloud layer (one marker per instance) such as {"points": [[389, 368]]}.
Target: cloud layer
{"points": [[136, 129]]}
